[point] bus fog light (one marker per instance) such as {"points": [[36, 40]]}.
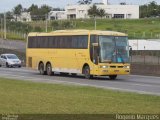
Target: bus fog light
{"points": [[103, 66], [127, 71], [127, 66]]}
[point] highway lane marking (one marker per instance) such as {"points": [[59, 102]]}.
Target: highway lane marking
{"points": [[24, 69], [146, 76], [132, 84], [143, 85], [32, 70], [76, 83]]}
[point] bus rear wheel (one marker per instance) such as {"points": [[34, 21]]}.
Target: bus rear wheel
{"points": [[41, 69], [112, 77], [86, 72], [49, 69]]}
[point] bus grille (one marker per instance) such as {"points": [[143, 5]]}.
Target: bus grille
{"points": [[120, 66], [112, 66]]}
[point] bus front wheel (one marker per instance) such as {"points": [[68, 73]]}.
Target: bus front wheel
{"points": [[49, 69], [86, 72], [112, 77]]}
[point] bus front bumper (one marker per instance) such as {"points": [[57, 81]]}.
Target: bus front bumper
{"points": [[104, 72], [112, 70]]}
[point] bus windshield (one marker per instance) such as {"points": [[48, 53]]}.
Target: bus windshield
{"points": [[114, 49]]}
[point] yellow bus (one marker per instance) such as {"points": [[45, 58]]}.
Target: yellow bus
{"points": [[87, 52]]}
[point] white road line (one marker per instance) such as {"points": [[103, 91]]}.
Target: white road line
{"points": [[21, 76], [29, 70], [145, 76], [34, 79]]}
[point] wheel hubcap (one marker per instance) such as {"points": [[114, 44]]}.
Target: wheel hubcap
{"points": [[49, 70], [87, 73]]}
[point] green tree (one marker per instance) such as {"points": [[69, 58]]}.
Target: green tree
{"points": [[93, 11], [101, 13], [45, 9], [34, 11], [39, 13], [17, 10], [143, 11], [153, 8], [150, 10], [9, 15]]}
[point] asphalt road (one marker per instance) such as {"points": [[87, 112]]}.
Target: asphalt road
{"points": [[131, 83]]}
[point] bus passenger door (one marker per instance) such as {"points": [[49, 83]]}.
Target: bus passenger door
{"points": [[95, 53], [95, 58]]}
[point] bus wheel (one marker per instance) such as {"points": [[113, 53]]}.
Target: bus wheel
{"points": [[112, 77], [86, 72], [41, 69], [49, 69]]}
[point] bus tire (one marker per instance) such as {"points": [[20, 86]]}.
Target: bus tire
{"points": [[41, 69], [49, 69], [112, 77], [86, 72]]}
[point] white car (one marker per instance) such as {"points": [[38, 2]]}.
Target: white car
{"points": [[10, 60]]}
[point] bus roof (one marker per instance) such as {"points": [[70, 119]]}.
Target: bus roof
{"points": [[77, 32]]}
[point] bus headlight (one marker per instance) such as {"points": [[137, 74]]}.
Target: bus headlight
{"points": [[104, 66], [127, 66]]}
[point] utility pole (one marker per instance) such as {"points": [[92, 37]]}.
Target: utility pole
{"points": [[4, 25], [46, 24], [1, 27], [95, 23]]}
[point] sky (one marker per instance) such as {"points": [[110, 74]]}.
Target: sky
{"points": [[8, 5]]}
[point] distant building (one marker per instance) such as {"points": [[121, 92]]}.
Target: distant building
{"points": [[23, 17], [77, 11], [57, 15], [112, 11]]}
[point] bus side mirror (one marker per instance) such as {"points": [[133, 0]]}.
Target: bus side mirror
{"points": [[98, 59], [130, 50]]}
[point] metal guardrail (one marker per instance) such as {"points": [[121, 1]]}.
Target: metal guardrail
{"points": [[145, 57]]}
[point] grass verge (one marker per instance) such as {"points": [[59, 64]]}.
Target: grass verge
{"points": [[135, 28], [25, 97]]}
